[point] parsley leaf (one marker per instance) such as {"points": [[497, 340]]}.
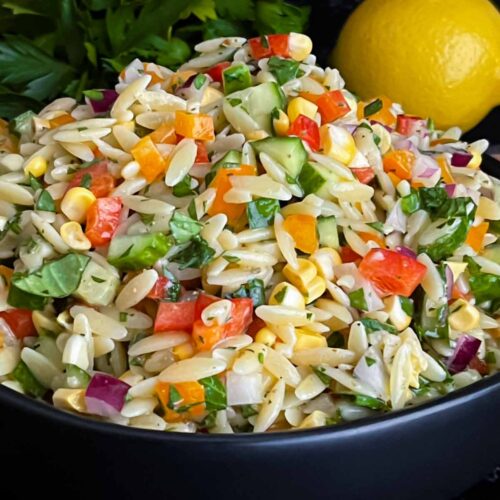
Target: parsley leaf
{"points": [[215, 393], [195, 255]]}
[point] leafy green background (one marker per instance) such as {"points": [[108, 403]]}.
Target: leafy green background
{"points": [[62, 47]]}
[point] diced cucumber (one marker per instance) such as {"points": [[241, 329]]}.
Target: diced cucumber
{"points": [[138, 251], [232, 157], [236, 77], [250, 109], [492, 252], [315, 178], [98, 285], [327, 230], [287, 151]]}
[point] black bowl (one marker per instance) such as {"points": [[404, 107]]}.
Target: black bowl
{"points": [[436, 451]]}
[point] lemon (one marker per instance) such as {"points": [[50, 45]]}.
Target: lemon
{"points": [[438, 58]]}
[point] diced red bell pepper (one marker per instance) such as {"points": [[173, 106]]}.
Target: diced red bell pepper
{"points": [[205, 337], [347, 254], [269, 45], [103, 217], [332, 106], [101, 181], [159, 290], [20, 322], [216, 71], [479, 365], [241, 317], [201, 153], [175, 316], [392, 273], [306, 129], [255, 326], [364, 174], [410, 124]]}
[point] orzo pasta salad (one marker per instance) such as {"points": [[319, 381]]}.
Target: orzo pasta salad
{"points": [[242, 245]]}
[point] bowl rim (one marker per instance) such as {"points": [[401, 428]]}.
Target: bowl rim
{"points": [[481, 388]]}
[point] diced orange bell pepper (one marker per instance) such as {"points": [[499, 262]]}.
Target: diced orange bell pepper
{"points": [[309, 96], [151, 162], [201, 153], [475, 236], [332, 105], [222, 183], [181, 401], [180, 78], [394, 178], [200, 126], [384, 115], [377, 238], [164, 134], [400, 162], [205, 337], [302, 228], [61, 120], [445, 170], [155, 77], [6, 273], [443, 140]]}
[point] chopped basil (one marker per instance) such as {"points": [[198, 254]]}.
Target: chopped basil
{"points": [[431, 322], [369, 402], [20, 298], [57, 278], [45, 202], [174, 397], [97, 279], [12, 225], [183, 188], [378, 226], [199, 81], [248, 411], [231, 258], [192, 210], [28, 381], [280, 296], [253, 289], [410, 203], [236, 77], [234, 102], [358, 300], [260, 357], [183, 228], [373, 325], [86, 181], [319, 371], [195, 255], [283, 69], [372, 108], [490, 358], [370, 361], [484, 286], [35, 183], [264, 42], [407, 305], [94, 95], [215, 393], [261, 212]]}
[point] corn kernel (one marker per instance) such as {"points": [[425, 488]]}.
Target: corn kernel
{"points": [[299, 46], [266, 337], [37, 166], [316, 419], [308, 340], [281, 124], [256, 135], [302, 276], [300, 106], [72, 234], [488, 209], [183, 351], [476, 159], [210, 96], [463, 316], [337, 143], [286, 294], [70, 399], [76, 202], [324, 259], [315, 289]]}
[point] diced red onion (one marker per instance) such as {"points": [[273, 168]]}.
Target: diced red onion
{"points": [[105, 395], [449, 281], [404, 144], [427, 170], [387, 127], [103, 105], [184, 274], [200, 170], [408, 252], [350, 128], [396, 218], [466, 348], [461, 158], [450, 189]]}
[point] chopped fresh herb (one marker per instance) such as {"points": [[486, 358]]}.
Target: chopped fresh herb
{"points": [[97, 279], [319, 371], [378, 226], [376, 139], [209, 420], [336, 339], [94, 95], [261, 212], [431, 322], [197, 254], [147, 219], [183, 228], [199, 81], [411, 202], [12, 225], [20, 298], [22, 125], [76, 378], [369, 402], [234, 102], [358, 300], [484, 286], [372, 108], [123, 317], [236, 77], [174, 397], [45, 202], [35, 183], [370, 361], [28, 381], [231, 258], [283, 69], [264, 42], [407, 305], [215, 393], [248, 411], [280, 296], [260, 357], [373, 325], [127, 252], [490, 358], [192, 210], [253, 289], [138, 360], [335, 420], [183, 188], [86, 181]]}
